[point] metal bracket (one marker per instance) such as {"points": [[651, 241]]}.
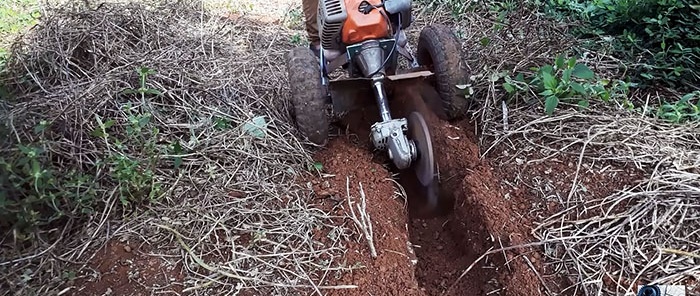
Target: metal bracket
{"points": [[385, 44]]}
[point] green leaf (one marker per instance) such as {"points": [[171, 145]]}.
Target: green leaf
{"points": [[578, 88], [583, 103], [256, 127], [560, 62], [109, 124], [98, 132], [520, 77], [221, 123], [566, 75], [572, 62], [101, 130], [508, 87], [144, 71], [177, 148], [144, 120], [582, 71], [129, 92], [547, 69], [549, 81], [318, 166], [687, 97], [40, 127], [485, 41], [547, 93], [178, 162], [550, 104]]}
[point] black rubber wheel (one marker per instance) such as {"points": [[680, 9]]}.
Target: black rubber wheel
{"points": [[308, 96], [439, 50]]}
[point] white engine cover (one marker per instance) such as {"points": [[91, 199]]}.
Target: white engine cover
{"points": [[331, 16]]}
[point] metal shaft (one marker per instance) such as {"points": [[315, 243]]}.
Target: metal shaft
{"points": [[380, 95]]}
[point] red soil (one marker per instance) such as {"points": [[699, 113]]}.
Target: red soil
{"points": [[490, 206], [445, 245]]}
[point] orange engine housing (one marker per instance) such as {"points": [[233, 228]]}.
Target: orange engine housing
{"points": [[359, 27]]}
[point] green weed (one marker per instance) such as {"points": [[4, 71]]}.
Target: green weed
{"points": [[37, 191], [136, 152], [297, 39], [684, 110], [566, 80], [659, 40]]}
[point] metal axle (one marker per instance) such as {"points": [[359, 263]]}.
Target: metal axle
{"points": [[382, 102]]}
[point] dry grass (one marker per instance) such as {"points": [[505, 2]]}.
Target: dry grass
{"points": [[609, 245], [233, 213], [648, 234], [235, 205], [644, 234]]}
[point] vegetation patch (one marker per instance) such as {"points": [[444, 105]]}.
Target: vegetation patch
{"points": [[658, 40], [157, 118]]}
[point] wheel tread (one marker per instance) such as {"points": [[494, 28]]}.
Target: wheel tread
{"points": [[439, 46], [307, 95]]}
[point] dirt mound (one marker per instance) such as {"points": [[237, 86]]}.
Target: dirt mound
{"points": [[479, 213]]}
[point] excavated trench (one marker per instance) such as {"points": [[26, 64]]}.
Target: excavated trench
{"points": [[478, 213]]}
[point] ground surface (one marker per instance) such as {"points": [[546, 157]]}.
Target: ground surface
{"points": [[494, 202], [489, 211], [491, 208], [125, 269]]}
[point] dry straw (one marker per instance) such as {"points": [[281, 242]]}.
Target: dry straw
{"points": [[644, 234], [605, 246], [232, 214]]}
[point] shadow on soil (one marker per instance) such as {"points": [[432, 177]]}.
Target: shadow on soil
{"points": [[447, 242]]}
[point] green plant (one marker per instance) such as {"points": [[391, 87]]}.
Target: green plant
{"points": [[36, 192], [135, 156], [566, 80], [143, 89], [684, 110], [658, 39], [296, 39]]}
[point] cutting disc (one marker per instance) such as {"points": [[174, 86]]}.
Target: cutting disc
{"points": [[424, 166]]}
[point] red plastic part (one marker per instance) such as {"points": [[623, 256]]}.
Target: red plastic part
{"points": [[359, 27]]}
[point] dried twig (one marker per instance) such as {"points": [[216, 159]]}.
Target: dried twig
{"points": [[364, 222]]}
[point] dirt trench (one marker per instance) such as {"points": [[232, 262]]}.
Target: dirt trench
{"points": [[420, 255]]}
